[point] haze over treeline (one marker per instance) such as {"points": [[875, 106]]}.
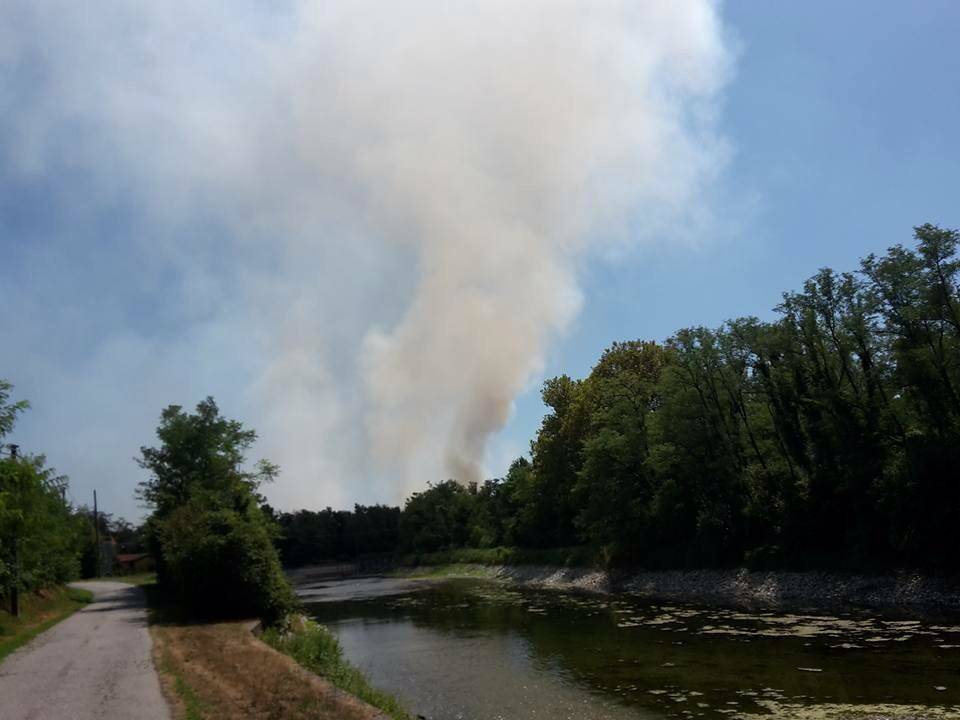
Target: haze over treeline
{"points": [[829, 437]]}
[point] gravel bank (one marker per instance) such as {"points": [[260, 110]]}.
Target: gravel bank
{"points": [[910, 592]]}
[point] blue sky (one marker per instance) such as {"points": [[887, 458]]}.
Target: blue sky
{"points": [[843, 118], [840, 122]]}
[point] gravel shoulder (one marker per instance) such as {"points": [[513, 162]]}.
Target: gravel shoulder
{"points": [[95, 664]]}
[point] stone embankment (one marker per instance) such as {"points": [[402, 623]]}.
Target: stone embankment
{"points": [[745, 588]]}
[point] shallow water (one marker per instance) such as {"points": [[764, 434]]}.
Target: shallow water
{"points": [[479, 650]]}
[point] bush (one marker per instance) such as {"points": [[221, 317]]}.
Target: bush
{"points": [[316, 648], [223, 563], [212, 540]]}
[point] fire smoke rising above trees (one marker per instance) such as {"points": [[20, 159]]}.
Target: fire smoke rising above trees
{"points": [[405, 189]]}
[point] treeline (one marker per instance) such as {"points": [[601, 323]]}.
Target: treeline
{"points": [[308, 537], [43, 541], [827, 438]]}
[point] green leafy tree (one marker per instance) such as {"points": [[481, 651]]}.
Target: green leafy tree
{"points": [[616, 481], [213, 542], [548, 519], [438, 518], [828, 437], [40, 538]]}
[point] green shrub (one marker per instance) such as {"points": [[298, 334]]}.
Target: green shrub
{"points": [[222, 562], [315, 648], [212, 540]]}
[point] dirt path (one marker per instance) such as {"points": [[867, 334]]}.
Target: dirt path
{"points": [[94, 664]]}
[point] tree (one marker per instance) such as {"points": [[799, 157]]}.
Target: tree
{"points": [[213, 542], [40, 539], [616, 481], [335, 535], [437, 518], [556, 460], [828, 437], [9, 410]]}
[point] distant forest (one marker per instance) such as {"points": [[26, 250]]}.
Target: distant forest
{"points": [[827, 438]]}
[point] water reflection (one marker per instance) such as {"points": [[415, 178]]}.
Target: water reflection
{"points": [[479, 650]]}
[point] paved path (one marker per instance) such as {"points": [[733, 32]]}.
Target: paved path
{"points": [[94, 664]]}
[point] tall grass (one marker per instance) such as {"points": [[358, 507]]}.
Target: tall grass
{"points": [[316, 648]]}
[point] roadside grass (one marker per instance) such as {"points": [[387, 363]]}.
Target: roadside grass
{"points": [[211, 670], [459, 570], [319, 651], [193, 707], [148, 578], [38, 612]]}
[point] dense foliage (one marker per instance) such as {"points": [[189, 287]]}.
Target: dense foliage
{"points": [[211, 538], [829, 437], [37, 526], [309, 537]]}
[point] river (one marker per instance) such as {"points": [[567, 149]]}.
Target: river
{"points": [[464, 649]]}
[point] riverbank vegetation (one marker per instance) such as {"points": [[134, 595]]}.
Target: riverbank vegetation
{"points": [[212, 536], [316, 649], [827, 438], [219, 669]]}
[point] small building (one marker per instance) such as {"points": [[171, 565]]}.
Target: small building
{"points": [[128, 563], [108, 557]]}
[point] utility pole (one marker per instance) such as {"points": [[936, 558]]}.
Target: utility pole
{"points": [[15, 590], [15, 594], [96, 530]]}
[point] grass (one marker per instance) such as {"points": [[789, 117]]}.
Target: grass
{"points": [[147, 578], [560, 557], [460, 570], [182, 697], [38, 612], [212, 670], [193, 707], [316, 649]]}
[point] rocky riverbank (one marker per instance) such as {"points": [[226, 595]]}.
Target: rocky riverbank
{"points": [[910, 592]]}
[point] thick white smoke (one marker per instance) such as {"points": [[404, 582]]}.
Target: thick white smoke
{"points": [[394, 196]]}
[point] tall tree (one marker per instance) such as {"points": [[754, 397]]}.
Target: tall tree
{"points": [[213, 542]]}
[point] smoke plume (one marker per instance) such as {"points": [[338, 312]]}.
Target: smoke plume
{"points": [[365, 218]]}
